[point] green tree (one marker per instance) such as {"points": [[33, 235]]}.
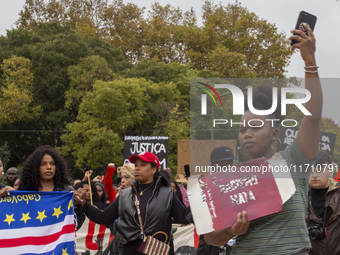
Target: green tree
{"points": [[265, 51], [77, 70], [245, 41], [56, 55], [177, 127], [105, 113], [82, 78], [5, 154], [16, 94], [123, 106], [84, 16]]}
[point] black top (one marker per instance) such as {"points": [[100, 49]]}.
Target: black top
{"points": [[110, 214], [318, 199]]}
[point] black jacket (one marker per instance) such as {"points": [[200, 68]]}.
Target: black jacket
{"points": [[158, 212], [330, 244]]}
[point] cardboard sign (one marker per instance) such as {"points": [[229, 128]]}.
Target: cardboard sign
{"points": [[217, 198], [197, 152], [185, 239]]}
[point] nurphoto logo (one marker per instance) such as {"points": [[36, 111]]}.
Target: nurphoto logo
{"points": [[238, 98]]}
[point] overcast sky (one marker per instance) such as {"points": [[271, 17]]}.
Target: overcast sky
{"points": [[283, 13]]}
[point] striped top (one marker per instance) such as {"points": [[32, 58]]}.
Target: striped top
{"points": [[285, 232]]}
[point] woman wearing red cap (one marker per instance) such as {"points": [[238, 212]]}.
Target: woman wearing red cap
{"points": [[157, 203]]}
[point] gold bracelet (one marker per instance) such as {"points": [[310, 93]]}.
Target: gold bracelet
{"points": [[307, 71], [309, 67]]}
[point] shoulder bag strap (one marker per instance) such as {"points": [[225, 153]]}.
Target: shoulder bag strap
{"points": [[138, 213]]}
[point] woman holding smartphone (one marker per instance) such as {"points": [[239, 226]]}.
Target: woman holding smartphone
{"points": [[284, 232]]}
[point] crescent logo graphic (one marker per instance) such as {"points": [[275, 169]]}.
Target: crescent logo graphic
{"points": [[209, 93]]}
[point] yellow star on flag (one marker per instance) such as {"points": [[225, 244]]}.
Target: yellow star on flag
{"points": [[9, 219], [64, 251], [41, 216], [25, 217], [57, 212], [70, 204]]}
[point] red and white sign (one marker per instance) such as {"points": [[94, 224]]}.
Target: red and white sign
{"points": [[217, 198], [89, 233]]}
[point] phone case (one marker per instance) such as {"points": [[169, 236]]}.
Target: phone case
{"points": [[304, 17]]}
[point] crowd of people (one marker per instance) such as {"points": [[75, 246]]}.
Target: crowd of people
{"points": [[146, 200]]}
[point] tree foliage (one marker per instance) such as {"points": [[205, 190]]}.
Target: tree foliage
{"points": [[230, 38], [112, 109], [83, 76], [89, 72], [17, 91], [36, 73]]}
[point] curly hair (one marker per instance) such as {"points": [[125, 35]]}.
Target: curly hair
{"points": [[263, 100], [30, 177]]}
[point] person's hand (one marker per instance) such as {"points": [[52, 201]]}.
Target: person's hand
{"points": [[111, 165], [5, 191], [119, 172], [87, 175], [80, 196], [220, 237], [119, 189], [306, 44], [241, 225], [97, 179], [168, 169]]}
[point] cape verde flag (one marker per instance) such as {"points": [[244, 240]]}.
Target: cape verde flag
{"points": [[37, 223]]}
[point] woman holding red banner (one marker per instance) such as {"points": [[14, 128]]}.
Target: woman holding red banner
{"points": [[157, 203], [284, 232]]}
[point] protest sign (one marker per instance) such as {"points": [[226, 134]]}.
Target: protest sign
{"points": [[185, 239], [154, 144], [217, 198], [89, 235], [288, 135], [200, 152]]}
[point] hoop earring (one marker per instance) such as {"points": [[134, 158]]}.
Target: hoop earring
{"points": [[278, 144]]}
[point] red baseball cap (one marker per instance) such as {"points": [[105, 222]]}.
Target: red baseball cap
{"points": [[146, 157]]}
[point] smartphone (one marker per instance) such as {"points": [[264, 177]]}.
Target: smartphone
{"points": [[304, 17], [187, 171]]}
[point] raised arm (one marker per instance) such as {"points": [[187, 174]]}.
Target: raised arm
{"points": [[309, 133], [108, 185]]}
